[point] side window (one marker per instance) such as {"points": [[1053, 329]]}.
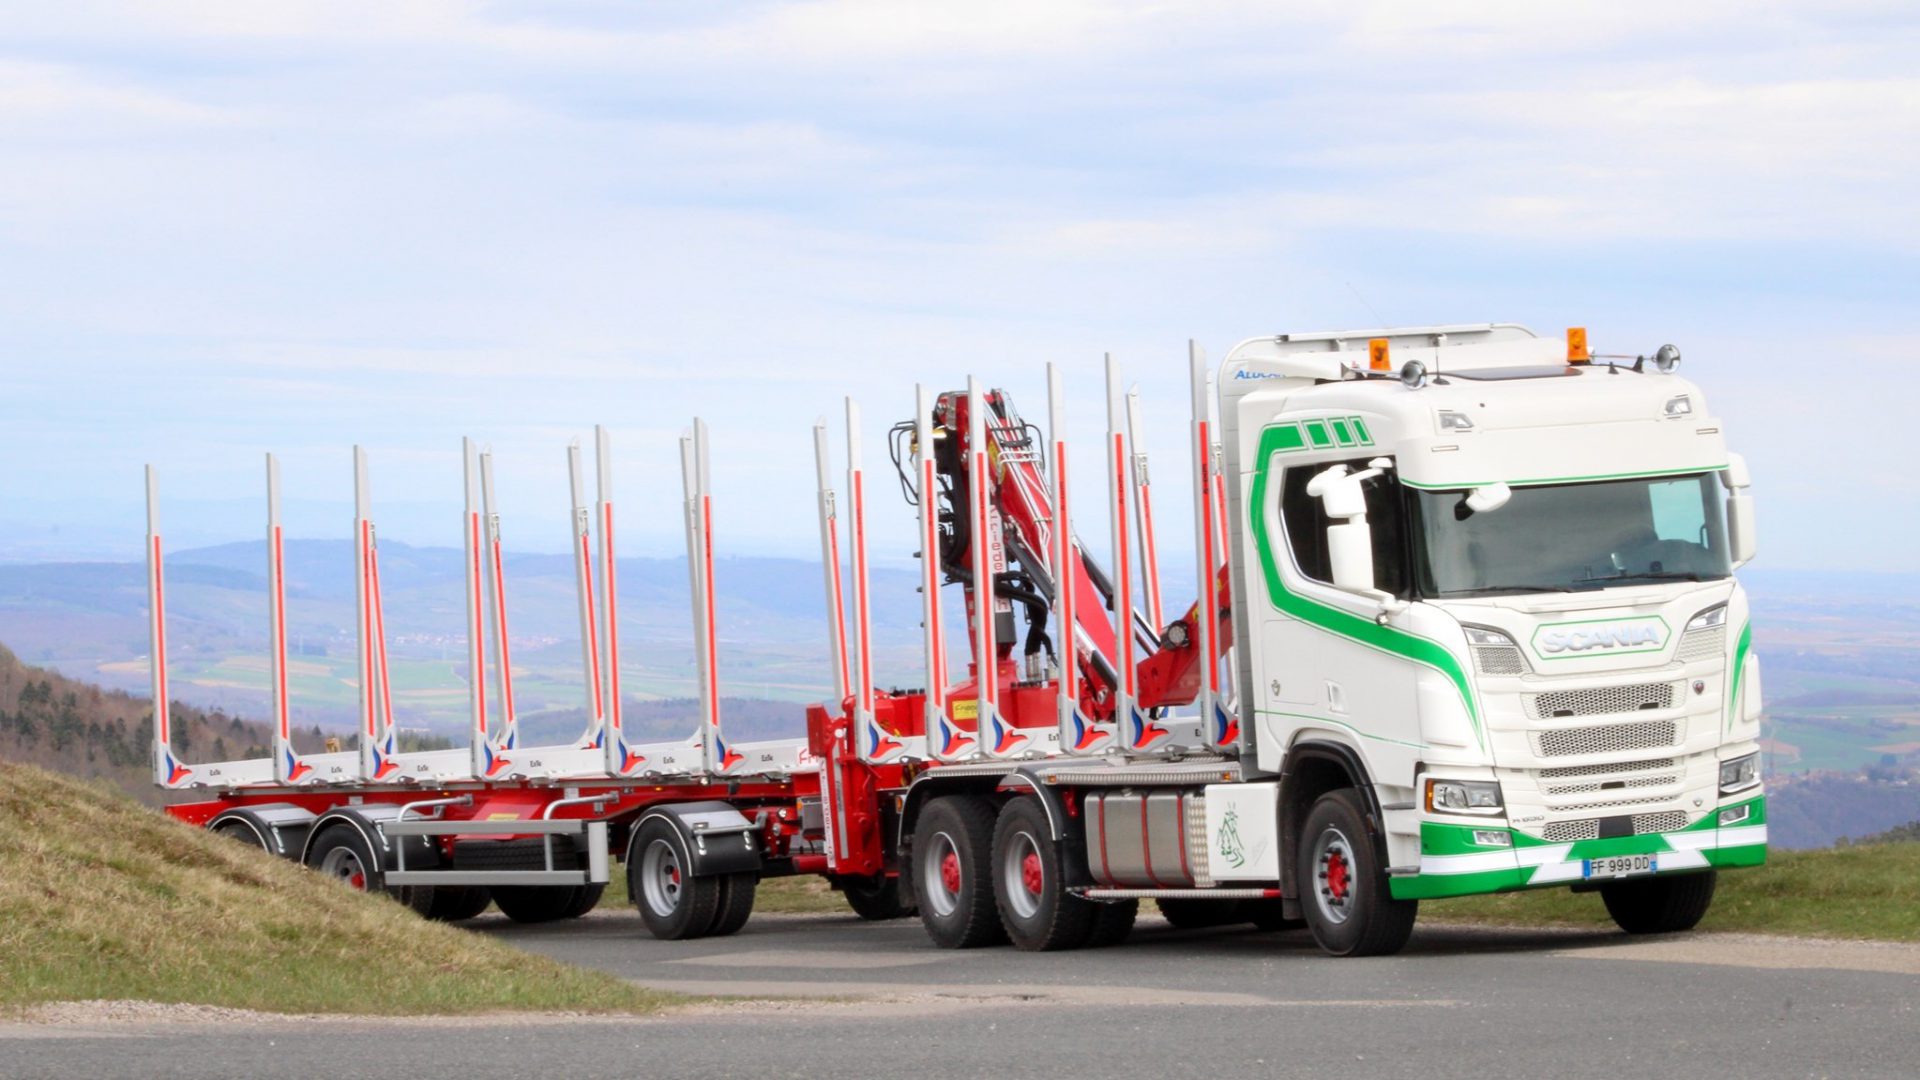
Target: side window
{"points": [[1305, 519]]}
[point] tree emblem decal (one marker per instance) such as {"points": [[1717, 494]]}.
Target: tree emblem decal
{"points": [[1227, 840]]}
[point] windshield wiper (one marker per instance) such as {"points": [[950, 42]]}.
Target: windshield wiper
{"points": [[1491, 590], [1649, 575]]}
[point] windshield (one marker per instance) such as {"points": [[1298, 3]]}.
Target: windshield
{"points": [[1571, 537]]}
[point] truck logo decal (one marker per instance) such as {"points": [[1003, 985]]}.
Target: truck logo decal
{"points": [[1566, 640], [1227, 841]]}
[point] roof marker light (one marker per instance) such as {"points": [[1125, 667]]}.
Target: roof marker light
{"points": [[1577, 346], [1377, 358]]}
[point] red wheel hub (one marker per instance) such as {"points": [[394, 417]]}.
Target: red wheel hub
{"points": [[358, 881], [673, 875], [950, 871], [1031, 875], [1338, 880]]}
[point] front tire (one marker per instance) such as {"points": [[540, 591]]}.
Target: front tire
{"points": [[1029, 884], [1343, 882], [1660, 905], [953, 876]]}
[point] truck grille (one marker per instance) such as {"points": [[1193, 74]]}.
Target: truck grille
{"points": [[1606, 738], [1499, 660], [1569, 772], [1582, 787], [1589, 829], [1602, 700], [1708, 644]]}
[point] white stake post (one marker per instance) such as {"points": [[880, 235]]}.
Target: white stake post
{"points": [[1078, 733], [945, 740], [507, 735], [167, 770], [718, 757], [472, 532], [875, 743], [1215, 724], [582, 522], [995, 738], [287, 766], [829, 512], [1143, 515], [1135, 731]]}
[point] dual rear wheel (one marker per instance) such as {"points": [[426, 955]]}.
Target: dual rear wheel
{"points": [[985, 876], [676, 905]]}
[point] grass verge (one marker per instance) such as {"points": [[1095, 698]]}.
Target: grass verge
{"points": [[1864, 891], [101, 898]]}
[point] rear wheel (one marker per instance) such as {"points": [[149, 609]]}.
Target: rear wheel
{"points": [[952, 860], [673, 903], [877, 900], [1343, 882], [1660, 905], [1029, 886]]}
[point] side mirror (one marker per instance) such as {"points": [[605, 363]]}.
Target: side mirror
{"points": [[1490, 497], [1349, 537], [1741, 544]]}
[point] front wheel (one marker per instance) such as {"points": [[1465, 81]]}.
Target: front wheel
{"points": [[1343, 882], [1660, 905]]}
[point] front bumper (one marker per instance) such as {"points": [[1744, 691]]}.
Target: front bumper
{"points": [[1453, 864]]}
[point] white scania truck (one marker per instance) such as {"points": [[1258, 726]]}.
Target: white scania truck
{"points": [[1467, 623]]}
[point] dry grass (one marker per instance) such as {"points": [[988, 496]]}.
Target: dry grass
{"points": [[104, 899]]}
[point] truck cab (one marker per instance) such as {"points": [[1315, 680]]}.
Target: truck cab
{"points": [[1497, 570]]}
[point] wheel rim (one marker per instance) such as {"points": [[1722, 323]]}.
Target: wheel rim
{"points": [[1334, 877], [1023, 877], [940, 877], [660, 877], [343, 864]]}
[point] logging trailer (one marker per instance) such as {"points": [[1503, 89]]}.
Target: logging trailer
{"points": [[1466, 624]]}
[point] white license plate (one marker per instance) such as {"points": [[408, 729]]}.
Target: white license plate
{"points": [[1618, 866]]}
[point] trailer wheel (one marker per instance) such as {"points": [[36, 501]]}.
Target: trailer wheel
{"points": [[546, 903], [673, 903], [241, 833], [1660, 905], [1029, 885], [952, 860], [456, 903], [736, 903], [343, 854], [877, 900], [1189, 914], [1113, 923], [1343, 882]]}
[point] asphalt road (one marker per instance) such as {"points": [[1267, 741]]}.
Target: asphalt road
{"points": [[1170, 1003]]}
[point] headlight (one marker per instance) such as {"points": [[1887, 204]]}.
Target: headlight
{"points": [[1739, 773], [1463, 797], [1480, 635], [1710, 618]]}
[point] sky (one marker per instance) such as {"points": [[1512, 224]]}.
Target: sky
{"points": [[233, 227]]}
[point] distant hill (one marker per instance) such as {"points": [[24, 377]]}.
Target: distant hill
{"points": [[72, 727]]}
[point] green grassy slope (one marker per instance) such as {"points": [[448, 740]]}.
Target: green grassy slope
{"points": [[101, 898]]}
